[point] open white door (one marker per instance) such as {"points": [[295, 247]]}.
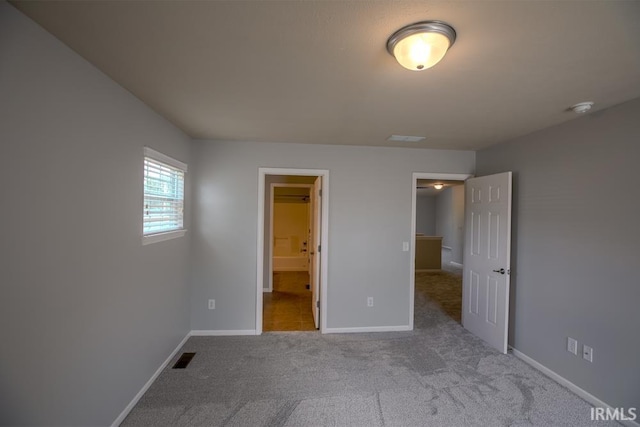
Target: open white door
{"points": [[314, 248], [487, 254]]}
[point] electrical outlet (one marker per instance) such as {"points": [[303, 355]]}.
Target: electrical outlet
{"points": [[369, 301], [212, 304], [572, 346], [405, 246], [587, 353]]}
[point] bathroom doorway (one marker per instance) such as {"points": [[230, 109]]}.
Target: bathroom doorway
{"points": [[287, 303], [292, 251]]}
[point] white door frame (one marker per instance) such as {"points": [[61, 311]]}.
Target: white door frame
{"points": [[412, 245], [272, 188], [324, 239]]}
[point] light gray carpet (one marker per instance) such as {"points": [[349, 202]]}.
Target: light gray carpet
{"points": [[436, 375]]}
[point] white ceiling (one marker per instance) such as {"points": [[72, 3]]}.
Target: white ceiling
{"points": [[318, 71]]}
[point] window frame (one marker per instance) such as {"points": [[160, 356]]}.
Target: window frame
{"points": [[149, 153]]}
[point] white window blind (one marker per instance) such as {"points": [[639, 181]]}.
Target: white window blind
{"points": [[163, 193]]}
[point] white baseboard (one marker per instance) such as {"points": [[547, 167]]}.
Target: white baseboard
{"points": [[568, 384], [222, 333], [144, 388], [400, 328], [455, 264]]}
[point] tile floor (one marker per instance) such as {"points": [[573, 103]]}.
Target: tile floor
{"points": [[288, 307]]}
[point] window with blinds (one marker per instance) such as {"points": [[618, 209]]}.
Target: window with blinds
{"points": [[163, 193]]}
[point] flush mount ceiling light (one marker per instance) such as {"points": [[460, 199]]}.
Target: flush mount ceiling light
{"points": [[438, 186], [421, 45], [582, 107]]}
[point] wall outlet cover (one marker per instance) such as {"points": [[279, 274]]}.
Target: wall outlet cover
{"points": [[572, 346]]}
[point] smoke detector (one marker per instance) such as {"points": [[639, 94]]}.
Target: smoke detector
{"points": [[581, 107]]}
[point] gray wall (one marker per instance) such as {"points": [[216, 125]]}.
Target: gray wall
{"points": [[87, 313], [449, 221], [425, 214], [370, 216], [576, 248]]}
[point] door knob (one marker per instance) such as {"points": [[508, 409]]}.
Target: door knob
{"points": [[501, 271]]}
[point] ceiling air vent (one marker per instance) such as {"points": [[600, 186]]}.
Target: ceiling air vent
{"points": [[405, 138]]}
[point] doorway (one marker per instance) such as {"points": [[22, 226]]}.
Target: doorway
{"points": [[486, 266], [292, 256], [287, 301], [439, 242], [435, 246]]}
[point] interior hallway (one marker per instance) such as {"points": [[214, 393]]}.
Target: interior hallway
{"points": [[288, 307]]}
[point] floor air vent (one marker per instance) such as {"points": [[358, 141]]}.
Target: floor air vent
{"points": [[183, 361]]}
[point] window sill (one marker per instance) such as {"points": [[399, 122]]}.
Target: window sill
{"points": [[161, 237]]}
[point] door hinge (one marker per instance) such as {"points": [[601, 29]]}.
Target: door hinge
{"points": [[318, 304], [319, 248], [320, 193]]}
